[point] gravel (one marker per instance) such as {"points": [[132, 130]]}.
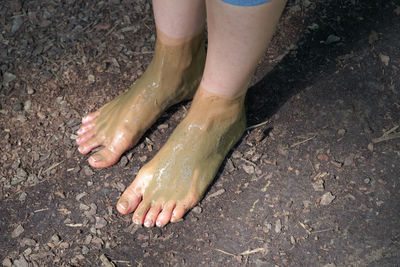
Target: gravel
{"points": [[327, 198], [17, 231]]}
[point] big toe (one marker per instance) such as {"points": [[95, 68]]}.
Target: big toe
{"points": [[104, 158], [129, 200]]}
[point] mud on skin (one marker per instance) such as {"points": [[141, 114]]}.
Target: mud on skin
{"points": [[172, 76], [177, 177]]}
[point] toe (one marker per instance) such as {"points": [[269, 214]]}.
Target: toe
{"points": [[151, 216], [178, 212], [85, 128], [104, 158], [89, 145], [140, 212], [84, 137], [129, 200], [90, 117], [165, 215]]}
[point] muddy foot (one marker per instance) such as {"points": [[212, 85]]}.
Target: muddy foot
{"points": [[177, 177], [171, 77]]}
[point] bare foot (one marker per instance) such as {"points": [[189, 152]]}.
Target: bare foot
{"points": [[171, 77], [177, 177]]}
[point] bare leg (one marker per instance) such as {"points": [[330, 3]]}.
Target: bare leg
{"points": [[237, 38], [172, 76], [176, 178]]}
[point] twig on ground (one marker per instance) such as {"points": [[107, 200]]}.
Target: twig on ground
{"points": [[321, 231], [41, 210], [74, 224], [244, 253], [227, 253], [304, 141], [256, 250], [258, 125], [52, 167], [389, 135]]}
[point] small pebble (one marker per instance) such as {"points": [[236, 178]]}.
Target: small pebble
{"points": [[318, 185], [27, 242], [17, 231], [278, 226], [327, 198], [348, 161], [83, 207], [341, 132], [30, 91], [22, 197], [249, 169], [17, 23], [21, 118], [85, 250], [27, 252], [385, 59], [55, 239], [100, 222], [162, 126], [21, 262], [87, 171], [371, 147], [64, 245], [27, 105], [236, 154], [332, 39], [92, 211], [197, 210], [81, 195], [7, 262], [7, 78], [123, 162], [88, 239], [367, 180], [91, 78]]}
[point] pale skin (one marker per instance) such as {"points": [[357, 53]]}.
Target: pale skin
{"points": [[175, 180]]}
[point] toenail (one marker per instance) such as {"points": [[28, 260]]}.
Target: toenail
{"points": [[123, 204], [79, 131], [97, 157], [147, 223], [159, 224], [136, 221]]}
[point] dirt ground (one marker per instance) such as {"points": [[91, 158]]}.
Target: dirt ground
{"points": [[316, 184]]}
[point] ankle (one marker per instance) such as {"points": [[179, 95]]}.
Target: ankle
{"points": [[179, 54], [213, 105]]}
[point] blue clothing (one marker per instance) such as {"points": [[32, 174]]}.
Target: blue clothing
{"points": [[245, 2]]}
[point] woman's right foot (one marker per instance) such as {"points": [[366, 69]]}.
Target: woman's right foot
{"points": [[172, 76]]}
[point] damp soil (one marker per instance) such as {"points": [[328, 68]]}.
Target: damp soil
{"points": [[316, 183]]}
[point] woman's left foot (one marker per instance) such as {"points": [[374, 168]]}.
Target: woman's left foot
{"points": [[175, 180]]}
